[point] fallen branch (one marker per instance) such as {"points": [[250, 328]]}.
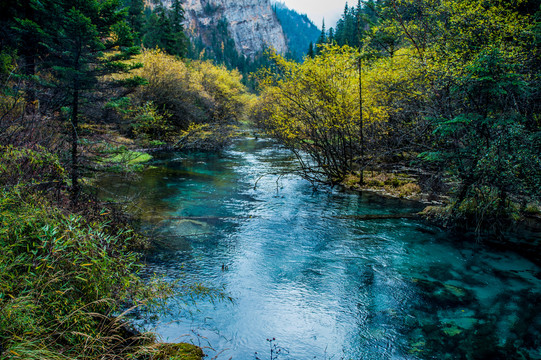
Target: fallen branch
{"points": [[380, 216]]}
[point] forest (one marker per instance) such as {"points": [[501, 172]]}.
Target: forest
{"points": [[445, 90], [433, 100]]}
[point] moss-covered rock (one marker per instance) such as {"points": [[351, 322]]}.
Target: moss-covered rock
{"points": [[180, 351]]}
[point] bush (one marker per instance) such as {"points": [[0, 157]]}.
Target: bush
{"points": [[206, 137], [313, 109], [178, 94], [34, 166], [61, 279], [150, 123], [226, 90], [172, 87]]}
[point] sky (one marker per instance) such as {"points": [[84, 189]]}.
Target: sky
{"points": [[317, 10]]}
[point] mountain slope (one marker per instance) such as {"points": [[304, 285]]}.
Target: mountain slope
{"points": [[298, 29], [251, 24]]}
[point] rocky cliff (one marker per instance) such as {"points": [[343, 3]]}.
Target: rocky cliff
{"points": [[252, 24]]}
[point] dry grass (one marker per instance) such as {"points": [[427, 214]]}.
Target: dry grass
{"points": [[396, 185]]}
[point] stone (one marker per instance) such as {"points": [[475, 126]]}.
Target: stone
{"points": [[252, 24], [180, 351]]}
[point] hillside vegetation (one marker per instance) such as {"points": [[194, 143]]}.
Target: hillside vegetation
{"points": [[79, 96], [446, 91]]}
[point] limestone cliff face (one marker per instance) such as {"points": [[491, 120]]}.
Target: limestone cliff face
{"points": [[252, 24]]}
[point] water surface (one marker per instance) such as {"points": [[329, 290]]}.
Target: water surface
{"points": [[303, 271]]}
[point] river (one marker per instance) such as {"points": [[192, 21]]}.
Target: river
{"points": [[301, 270]]}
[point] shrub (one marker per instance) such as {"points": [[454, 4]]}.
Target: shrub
{"points": [[34, 166], [179, 94], [151, 123], [61, 279], [173, 87], [226, 90]]}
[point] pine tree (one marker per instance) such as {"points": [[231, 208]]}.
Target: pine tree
{"points": [[136, 17], [322, 38], [75, 38], [331, 39], [164, 29], [311, 53]]}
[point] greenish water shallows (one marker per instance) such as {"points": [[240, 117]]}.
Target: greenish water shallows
{"points": [[323, 285]]}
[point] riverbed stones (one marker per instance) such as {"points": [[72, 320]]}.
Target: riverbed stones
{"points": [[444, 295]]}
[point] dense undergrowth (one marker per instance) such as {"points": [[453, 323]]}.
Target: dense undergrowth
{"points": [[62, 280], [68, 276], [447, 91]]}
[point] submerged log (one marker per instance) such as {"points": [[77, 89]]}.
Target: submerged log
{"points": [[352, 217], [380, 216]]}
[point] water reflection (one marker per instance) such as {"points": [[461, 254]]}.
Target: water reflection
{"points": [[320, 283]]}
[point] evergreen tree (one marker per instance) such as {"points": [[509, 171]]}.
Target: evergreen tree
{"points": [[311, 53], [164, 29], [298, 29], [74, 38], [330, 39], [136, 17], [322, 38]]}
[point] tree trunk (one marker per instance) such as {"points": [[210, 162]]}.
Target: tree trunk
{"points": [[74, 155], [361, 124]]}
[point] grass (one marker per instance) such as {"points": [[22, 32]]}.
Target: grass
{"points": [[124, 160], [66, 280], [397, 185], [61, 281]]}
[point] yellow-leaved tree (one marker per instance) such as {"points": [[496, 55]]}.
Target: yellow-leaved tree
{"points": [[313, 109], [180, 95]]}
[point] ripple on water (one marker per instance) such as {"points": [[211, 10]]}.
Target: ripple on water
{"points": [[322, 285]]}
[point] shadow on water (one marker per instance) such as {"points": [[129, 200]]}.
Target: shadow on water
{"points": [[313, 271]]}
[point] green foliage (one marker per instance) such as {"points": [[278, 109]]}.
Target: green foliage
{"points": [[136, 16], [206, 137], [7, 62], [149, 122], [59, 277], [124, 160], [497, 149], [352, 26], [74, 38], [171, 87], [483, 98], [454, 82], [217, 45], [164, 30], [313, 108], [34, 166], [179, 94], [226, 90], [311, 53]]}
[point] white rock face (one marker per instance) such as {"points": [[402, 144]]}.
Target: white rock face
{"points": [[251, 23]]}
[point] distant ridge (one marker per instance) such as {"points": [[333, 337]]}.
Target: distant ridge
{"points": [[299, 30]]}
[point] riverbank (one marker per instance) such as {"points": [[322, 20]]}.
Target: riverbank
{"points": [[520, 231], [69, 274]]}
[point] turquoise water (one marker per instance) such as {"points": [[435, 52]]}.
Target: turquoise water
{"points": [[303, 271]]}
